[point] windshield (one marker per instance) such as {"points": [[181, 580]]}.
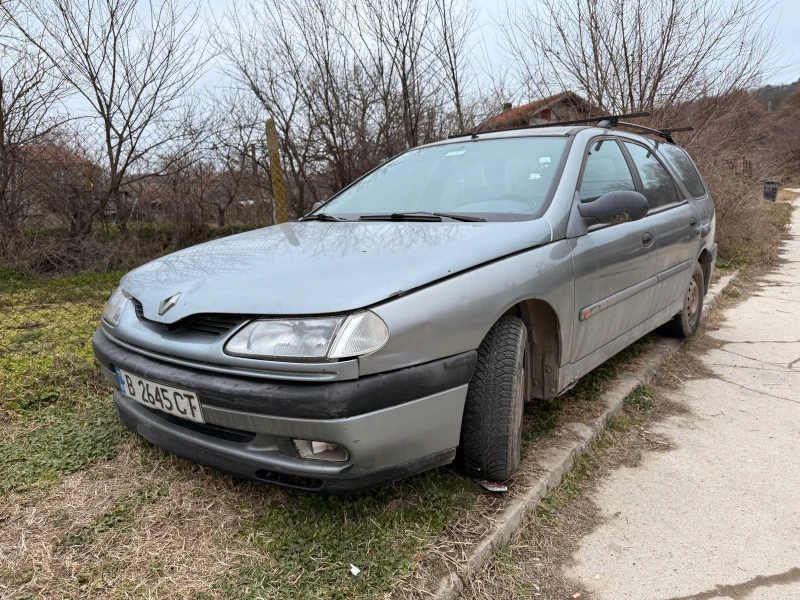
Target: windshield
{"points": [[505, 179]]}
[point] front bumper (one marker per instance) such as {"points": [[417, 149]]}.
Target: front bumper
{"points": [[393, 424]]}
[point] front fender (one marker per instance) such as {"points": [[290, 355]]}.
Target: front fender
{"points": [[453, 315]]}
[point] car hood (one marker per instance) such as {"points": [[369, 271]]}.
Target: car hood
{"points": [[313, 267]]}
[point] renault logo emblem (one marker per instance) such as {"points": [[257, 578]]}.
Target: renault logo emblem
{"points": [[168, 303]]}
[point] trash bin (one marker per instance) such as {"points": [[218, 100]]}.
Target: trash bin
{"points": [[771, 190]]}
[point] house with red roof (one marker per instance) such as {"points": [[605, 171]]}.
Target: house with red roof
{"points": [[565, 106]]}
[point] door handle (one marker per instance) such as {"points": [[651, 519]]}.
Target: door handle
{"points": [[647, 238], [693, 222]]}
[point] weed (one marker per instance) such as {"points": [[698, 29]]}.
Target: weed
{"points": [[49, 379], [45, 339], [620, 423], [641, 398], [57, 440]]}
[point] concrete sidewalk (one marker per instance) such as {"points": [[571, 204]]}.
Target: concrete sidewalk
{"points": [[718, 516]]}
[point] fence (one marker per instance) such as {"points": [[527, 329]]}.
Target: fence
{"points": [[66, 239]]}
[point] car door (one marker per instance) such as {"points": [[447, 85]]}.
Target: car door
{"points": [[676, 221], [613, 264]]}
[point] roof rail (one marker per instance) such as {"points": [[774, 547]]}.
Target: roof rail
{"points": [[607, 122], [664, 133], [613, 119]]}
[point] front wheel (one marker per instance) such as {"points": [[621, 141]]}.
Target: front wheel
{"points": [[491, 429], [687, 322]]}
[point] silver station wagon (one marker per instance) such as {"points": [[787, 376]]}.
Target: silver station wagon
{"points": [[404, 323]]}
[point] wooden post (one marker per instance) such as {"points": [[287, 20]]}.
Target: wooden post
{"points": [[276, 174]]}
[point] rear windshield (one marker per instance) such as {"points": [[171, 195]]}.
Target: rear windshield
{"points": [[505, 179], [683, 166]]}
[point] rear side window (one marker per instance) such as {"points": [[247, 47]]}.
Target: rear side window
{"points": [[680, 161], [606, 171], [659, 189]]}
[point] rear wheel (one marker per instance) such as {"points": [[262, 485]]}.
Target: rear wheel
{"points": [[491, 430], [687, 322]]}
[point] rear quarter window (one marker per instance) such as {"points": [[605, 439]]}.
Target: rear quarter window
{"points": [[685, 169]]}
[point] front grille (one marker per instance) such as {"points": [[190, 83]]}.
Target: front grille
{"points": [[139, 310], [213, 324]]}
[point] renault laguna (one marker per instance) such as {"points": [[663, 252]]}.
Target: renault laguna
{"points": [[404, 323]]}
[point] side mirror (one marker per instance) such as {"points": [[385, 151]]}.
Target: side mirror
{"points": [[615, 207], [315, 206]]}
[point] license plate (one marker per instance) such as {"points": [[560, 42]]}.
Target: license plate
{"points": [[175, 401]]}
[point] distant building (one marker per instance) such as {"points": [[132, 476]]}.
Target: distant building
{"points": [[565, 106], [57, 184]]}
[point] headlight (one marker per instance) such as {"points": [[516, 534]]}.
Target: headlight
{"points": [[324, 337], [116, 304]]}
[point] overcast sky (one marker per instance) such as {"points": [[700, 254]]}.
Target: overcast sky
{"points": [[785, 18]]}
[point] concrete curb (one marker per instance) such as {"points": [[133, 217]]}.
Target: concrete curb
{"points": [[559, 459]]}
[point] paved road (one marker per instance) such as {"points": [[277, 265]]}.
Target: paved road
{"points": [[719, 516]]}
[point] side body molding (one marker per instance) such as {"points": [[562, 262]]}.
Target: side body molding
{"points": [[610, 301]]}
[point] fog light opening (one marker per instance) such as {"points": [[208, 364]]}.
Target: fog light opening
{"points": [[309, 449]]}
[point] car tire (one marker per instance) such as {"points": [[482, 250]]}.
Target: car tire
{"points": [[687, 322], [491, 429]]}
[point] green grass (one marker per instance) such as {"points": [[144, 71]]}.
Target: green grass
{"points": [[50, 388], [47, 444], [45, 338]]}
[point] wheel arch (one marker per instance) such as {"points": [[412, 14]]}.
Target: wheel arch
{"points": [[705, 259], [543, 346]]}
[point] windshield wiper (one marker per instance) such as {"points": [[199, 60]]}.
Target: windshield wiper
{"points": [[401, 217], [465, 218], [322, 217], [418, 216]]}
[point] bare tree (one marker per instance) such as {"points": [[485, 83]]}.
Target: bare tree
{"points": [[30, 94], [627, 55], [134, 66], [401, 30], [454, 23], [349, 84], [238, 156], [262, 53]]}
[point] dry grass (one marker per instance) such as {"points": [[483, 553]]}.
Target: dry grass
{"points": [[756, 244], [125, 528]]}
